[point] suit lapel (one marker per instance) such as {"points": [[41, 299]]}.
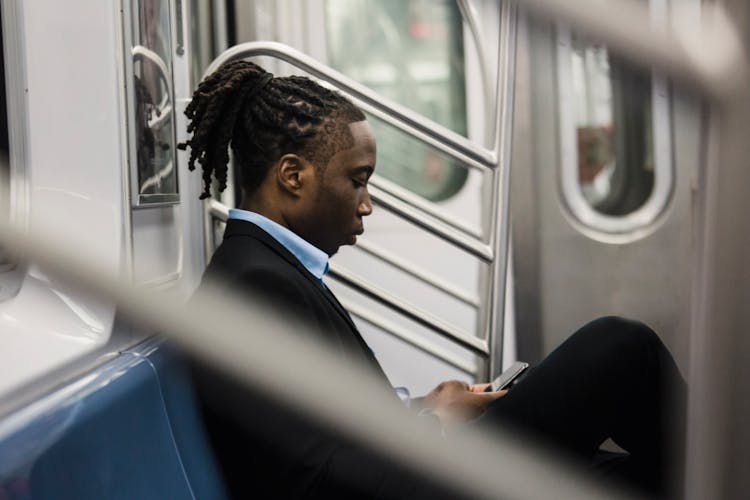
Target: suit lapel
{"points": [[237, 227], [240, 227], [335, 302]]}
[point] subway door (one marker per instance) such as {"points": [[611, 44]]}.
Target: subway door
{"points": [[605, 159]]}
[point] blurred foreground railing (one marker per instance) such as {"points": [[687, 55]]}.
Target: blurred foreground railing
{"points": [[215, 329], [708, 57]]}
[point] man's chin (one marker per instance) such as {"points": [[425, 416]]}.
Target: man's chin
{"points": [[349, 240]]}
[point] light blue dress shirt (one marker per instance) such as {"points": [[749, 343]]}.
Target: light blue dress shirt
{"points": [[314, 259]]}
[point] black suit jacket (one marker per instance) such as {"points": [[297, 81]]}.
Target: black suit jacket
{"points": [[251, 259], [266, 451]]}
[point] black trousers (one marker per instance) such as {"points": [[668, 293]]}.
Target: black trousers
{"points": [[613, 378]]}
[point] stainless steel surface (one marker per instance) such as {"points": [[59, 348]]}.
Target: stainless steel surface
{"points": [[217, 209], [421, 274], [564, 277], [179, 31], [432, 225], [465, 340], [709, 57], [398, 331], [499, 213], [220, 26], [428, 207], [718, 448], [718, 408], [14, 51]]}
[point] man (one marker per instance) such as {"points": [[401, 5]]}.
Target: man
{"points": [[304, 155]]}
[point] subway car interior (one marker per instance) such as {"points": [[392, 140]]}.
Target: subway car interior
{"points": [[540, 163]]}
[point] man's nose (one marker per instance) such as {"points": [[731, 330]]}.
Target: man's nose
{"points": [[365, 206]]}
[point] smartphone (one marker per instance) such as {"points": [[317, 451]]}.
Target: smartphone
{"points": [[505, 379]]}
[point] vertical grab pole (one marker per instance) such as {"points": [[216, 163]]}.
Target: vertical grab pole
{"points": [[499, 203]]}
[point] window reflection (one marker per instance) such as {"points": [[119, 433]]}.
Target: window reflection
{"points": [[153, 102], [612, 114], [412, 52]]}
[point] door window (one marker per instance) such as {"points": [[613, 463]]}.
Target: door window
{"points": [[615, 142], [413, 53], [153, 130]]}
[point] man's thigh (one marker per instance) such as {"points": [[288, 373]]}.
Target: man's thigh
{"points": [[568, 398]]}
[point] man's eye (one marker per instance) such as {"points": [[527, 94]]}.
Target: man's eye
{"points": [[358, 183]]}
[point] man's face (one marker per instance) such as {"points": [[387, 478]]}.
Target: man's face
{"points": [[338, 201]]}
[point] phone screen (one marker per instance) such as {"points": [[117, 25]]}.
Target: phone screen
{"points": [[508, 376]]}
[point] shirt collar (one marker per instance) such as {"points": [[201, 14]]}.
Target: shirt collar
{"points": [[314, 259]]}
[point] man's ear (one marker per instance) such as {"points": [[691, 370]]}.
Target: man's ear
{"points": [[292, 173]]}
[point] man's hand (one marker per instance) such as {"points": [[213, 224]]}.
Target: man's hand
{"points": [[455, 402]]}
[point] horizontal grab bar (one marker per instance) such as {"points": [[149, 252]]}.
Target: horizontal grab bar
{"points": [[417, 272], [474, 344], [404, 118], [447, 233], [423, 344], [432, 225], [428, 207]]}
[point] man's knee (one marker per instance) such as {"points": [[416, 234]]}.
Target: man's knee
{"points": [[620, 334]]}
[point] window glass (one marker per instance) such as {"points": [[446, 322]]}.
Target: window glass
{"points": [[156, 178], [410, 51], [612, 114], [396, 150]]}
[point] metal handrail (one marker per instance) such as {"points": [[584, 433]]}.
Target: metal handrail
{"points": [[470, 16], [416, 125], [427, 207], [419, 316], [432, 225], [499, 204], [434, 135], [217, 209], [446, 149], [417, 272], [415, 340]]}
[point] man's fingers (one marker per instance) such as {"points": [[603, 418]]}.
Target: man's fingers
{"points": [[491, 396], [479, 387]]}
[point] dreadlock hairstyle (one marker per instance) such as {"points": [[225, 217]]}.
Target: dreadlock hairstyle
{"points": [[263, 118]]}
